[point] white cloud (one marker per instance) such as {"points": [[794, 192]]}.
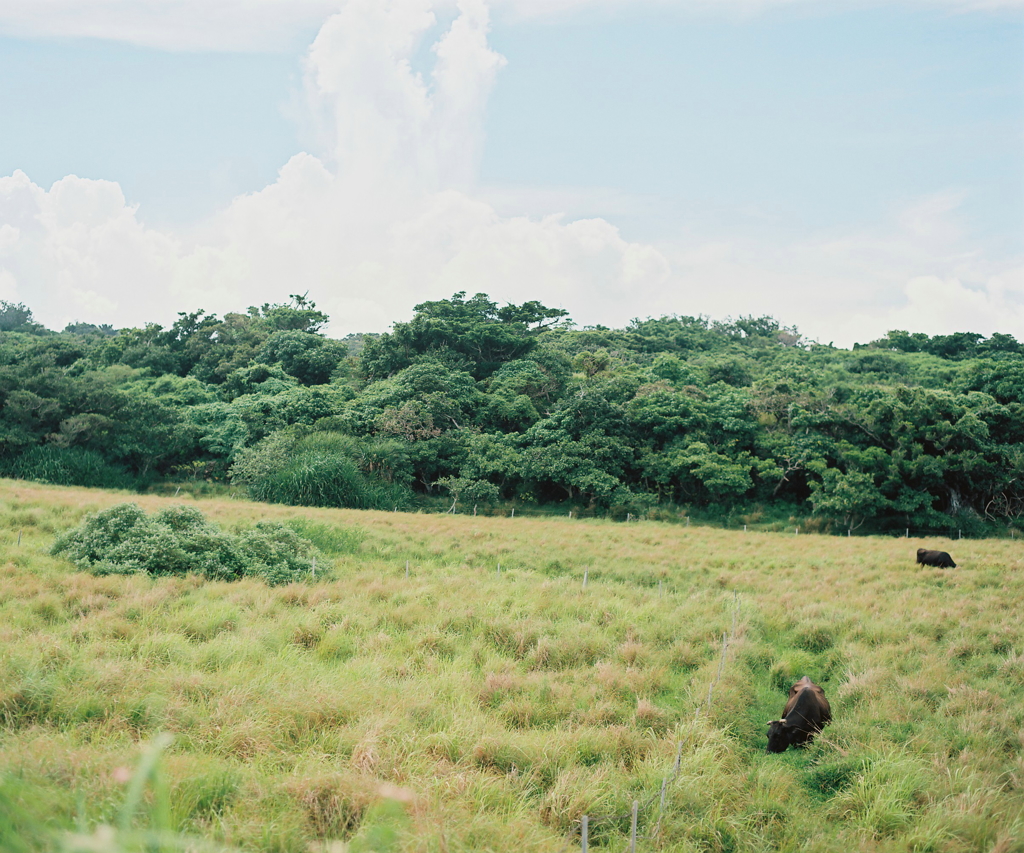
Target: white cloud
{"points": [[389, 215], [78, 250], [943, 305], [385, 218], [233, 25], [278, 25], [915, 271]]}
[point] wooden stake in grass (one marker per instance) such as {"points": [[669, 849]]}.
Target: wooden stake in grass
{"points": [[19, 538], [499, 570], [632, 828], [585, 831], [585, 573]]}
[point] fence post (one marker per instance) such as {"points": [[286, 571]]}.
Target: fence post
{"points": [[961, 536], [721, 668], [796, 531], [513, 512], [474, 510], [585, 831], [499, 570], [586, 572], [632, 827], [19, 538]]}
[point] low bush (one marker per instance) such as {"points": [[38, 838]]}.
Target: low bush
{"points": [[322, 469], [178, 541], [69, 466]]}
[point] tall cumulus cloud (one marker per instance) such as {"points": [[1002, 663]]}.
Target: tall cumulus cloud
{"points": [[384, 210], [384, 214]]}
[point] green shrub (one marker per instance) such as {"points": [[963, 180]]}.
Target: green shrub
{"points": [[276, 553], [179, 540], [69, 466], [322, 469], [315, 479]]}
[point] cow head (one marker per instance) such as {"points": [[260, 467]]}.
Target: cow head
{"points": [[780, 735]]}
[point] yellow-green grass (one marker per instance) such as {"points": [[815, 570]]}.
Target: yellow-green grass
{"points": [[457, 709]]}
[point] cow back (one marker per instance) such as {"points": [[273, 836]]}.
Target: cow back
{"points": [[807, 708], [939, 559]]}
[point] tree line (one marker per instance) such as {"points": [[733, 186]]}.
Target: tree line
{"points": [[479, 404]]}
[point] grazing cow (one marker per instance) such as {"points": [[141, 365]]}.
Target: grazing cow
{"points": [[939, 559], [806, 713]]}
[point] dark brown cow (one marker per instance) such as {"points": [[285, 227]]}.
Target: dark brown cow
{"points": [[806, 713], [939, 559]]}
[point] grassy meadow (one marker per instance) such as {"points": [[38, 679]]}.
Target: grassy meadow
{"points": [[459, 709]]}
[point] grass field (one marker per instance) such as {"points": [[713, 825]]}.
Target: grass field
{"points": [[459, 709]]}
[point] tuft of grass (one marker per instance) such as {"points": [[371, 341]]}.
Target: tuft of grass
{"points": [[885, 797], [329, 538]]}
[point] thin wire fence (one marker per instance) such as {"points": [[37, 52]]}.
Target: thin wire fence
{"points": [[645, 809], [809, 526]]}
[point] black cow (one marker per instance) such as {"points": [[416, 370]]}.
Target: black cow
{"points": [[939, 559], [806, 713]]}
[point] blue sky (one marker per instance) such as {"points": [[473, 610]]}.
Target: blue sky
{"points": [[848, 168], [811, 117]]}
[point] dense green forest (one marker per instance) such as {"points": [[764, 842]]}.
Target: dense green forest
{"points": [[472, 404]]}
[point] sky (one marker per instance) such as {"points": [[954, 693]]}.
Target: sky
{"points": [[847, 167]]}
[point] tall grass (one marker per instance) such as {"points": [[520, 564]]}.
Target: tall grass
{"points": [[461, 709], [70, 466]]}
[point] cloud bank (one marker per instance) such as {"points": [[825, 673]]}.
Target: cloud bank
{"points": [[917, 269], [383, 218], [386, 213]]}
